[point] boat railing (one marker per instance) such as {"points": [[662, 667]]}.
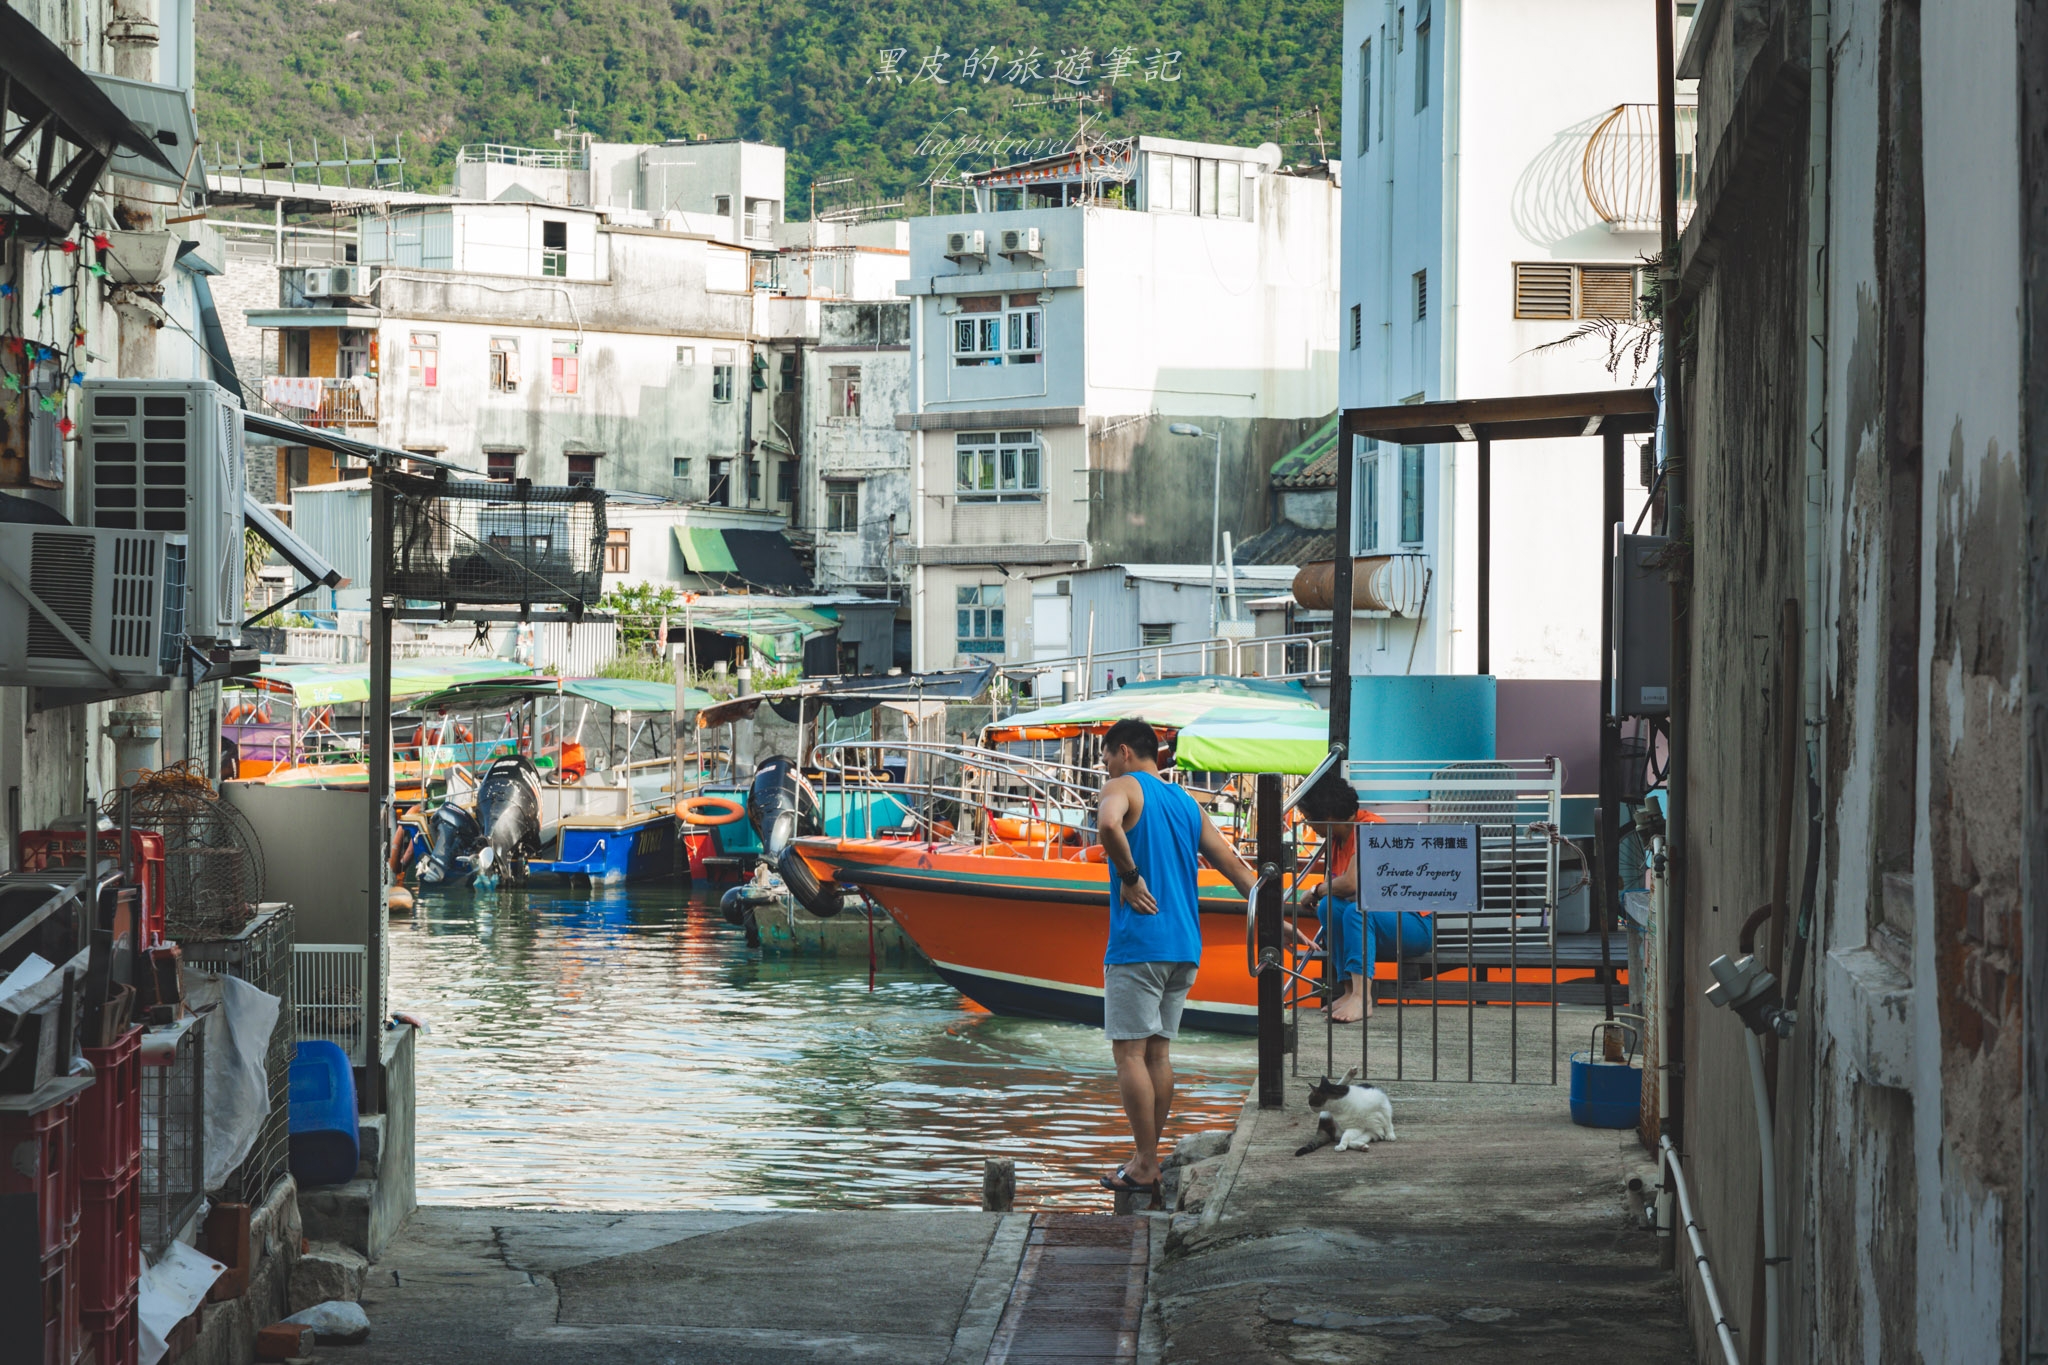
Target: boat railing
{"points": [[1303, 655], [985, 784]]}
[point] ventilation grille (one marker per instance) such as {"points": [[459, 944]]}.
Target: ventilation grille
{"points": [[1607, 291], [60, 573], [139, 484], [170, 642], [132, 605], [1544, 291]]}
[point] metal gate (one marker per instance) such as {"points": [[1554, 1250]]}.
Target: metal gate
{"points": [[1481, 1002]]}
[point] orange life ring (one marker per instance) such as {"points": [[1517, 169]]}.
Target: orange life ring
{"points": [[709, 810], [248, 712]]}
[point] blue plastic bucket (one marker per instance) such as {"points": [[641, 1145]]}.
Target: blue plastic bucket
{"points": [[1605, 1094], [325, 1144]]}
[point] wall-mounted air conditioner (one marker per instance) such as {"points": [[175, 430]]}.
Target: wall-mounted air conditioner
{"points": [[964, 246], [336, 282], [166, 455], [85, 608], [1019, 241]]}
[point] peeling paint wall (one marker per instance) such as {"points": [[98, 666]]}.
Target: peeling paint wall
{"points": [[1899, 1115]]}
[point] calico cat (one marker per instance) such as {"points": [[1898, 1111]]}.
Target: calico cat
{"points": [[1349, 1115]]}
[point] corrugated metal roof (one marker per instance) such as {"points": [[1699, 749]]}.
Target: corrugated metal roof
{"points": [[1285, 543]]}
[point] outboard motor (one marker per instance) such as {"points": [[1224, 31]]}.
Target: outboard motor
{"points": [[508, 816], [451, 836], [783, 807]]}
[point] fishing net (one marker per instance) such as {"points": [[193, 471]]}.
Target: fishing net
{"points": [[213, 863]]}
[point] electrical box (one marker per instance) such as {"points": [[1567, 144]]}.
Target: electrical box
{"points": [[166, 455], [1642, 629]]}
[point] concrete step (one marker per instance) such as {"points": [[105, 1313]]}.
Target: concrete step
{"points": [[370, 1141], [338, 1213]]}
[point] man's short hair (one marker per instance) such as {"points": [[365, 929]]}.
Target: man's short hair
{"points": [[1135, 735], [1330, 801]]}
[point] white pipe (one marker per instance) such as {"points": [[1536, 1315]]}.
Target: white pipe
{"points": [[1676, 1180], [1767, 1175]]}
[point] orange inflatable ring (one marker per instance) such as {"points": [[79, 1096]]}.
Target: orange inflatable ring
{"points": [[710, 810]]}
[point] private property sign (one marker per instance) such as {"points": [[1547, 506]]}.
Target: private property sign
{"points": [[1426, 868]]}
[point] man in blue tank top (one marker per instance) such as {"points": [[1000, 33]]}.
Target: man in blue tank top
{"points": [[1151, 832]]}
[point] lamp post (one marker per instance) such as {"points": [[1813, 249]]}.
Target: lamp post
{"points": [[1215, 510]]}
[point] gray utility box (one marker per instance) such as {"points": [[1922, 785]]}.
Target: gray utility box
{"points": [[1642, 629]]}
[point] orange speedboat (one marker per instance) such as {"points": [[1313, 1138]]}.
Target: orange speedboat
{"points": [[1018, 918], [1022, 929]]}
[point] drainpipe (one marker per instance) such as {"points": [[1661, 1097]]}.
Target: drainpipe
{"points": [[917, 508]]}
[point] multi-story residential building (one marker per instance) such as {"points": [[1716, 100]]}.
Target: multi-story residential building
{"points": [[599, 318], [857, 496], [1500, 194], [107, 276], [1089, 302]]}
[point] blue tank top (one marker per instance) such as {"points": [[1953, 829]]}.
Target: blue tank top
{"points": [[1164, 843]]}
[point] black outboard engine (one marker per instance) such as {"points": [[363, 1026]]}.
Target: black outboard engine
{"points": [[783, 807], [508, 817], [451, 837]]}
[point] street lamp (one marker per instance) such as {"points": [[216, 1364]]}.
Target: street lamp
{"points": [[1215, 512]]}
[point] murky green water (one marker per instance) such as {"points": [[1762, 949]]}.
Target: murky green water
{"points": [[626, 1050]]}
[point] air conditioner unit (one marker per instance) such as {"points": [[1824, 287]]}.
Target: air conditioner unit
{"points": [[335, 282], [314, 281], [1020, 241], [962, 246], [166, 455], [86, 608]]}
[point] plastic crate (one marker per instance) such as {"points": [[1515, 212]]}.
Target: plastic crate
{"points": [[116, 1339], [109, 1241], [46, 850], [109, 1117], [60, 1306], [38, 1155]]}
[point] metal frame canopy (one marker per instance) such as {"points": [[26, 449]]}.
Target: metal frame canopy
{"points": [[1609, 414]]}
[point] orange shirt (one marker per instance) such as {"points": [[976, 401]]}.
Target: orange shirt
{"points": [[1345, 851]]}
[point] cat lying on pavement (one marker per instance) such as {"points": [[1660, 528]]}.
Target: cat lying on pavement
{"points": [[1349, 1115]]}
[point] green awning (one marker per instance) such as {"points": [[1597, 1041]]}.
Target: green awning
{"points": [[704, 549], [632, 694], [1169, 704], [1281, 740], [332, 684]]}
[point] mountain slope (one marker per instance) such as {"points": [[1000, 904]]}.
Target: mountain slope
{"points": [[446, 72]]}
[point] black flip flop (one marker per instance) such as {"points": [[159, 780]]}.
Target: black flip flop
{"points": [[1123, 1184]]}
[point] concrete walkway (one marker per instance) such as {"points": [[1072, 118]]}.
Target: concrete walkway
{"points": [[495, 1285], [1493, 1228]]}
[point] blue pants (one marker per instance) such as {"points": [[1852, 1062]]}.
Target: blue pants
{"points": [[1354, 938]]}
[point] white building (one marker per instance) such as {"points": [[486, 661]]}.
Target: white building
{"points": [[1085, 304], [1472, 239]]}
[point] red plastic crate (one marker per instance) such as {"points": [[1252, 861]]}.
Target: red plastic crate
{"points": [[60, 1306], [115, 1338], [109, 1120], [109, 1241], [38, 1155]]}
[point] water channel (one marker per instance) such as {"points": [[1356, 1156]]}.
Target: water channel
{"points": [[625, 1049]]}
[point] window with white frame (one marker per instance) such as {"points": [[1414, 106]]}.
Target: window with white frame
{"points": [[995, 466], [686, 356], [1023, 330], [843, 391], [564, 369], [978, 331], [842, 504], [554, 248], [723, 364], [679, 468], [1199, 185], [1368, 498], [423, 359], [979, 619], [1422, 56], [1364, 95], [1411, 495], [504, 364]]}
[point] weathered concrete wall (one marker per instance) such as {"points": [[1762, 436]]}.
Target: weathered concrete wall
{"points": [[873, 341], [1899, 1123]]}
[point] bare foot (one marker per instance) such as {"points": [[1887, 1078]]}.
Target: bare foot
{"points": [[1349, 1008]]}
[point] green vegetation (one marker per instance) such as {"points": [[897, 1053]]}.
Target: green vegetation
{"points": [[442, 73]]}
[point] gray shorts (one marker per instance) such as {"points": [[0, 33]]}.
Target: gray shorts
{"points": [[1144, 999]]}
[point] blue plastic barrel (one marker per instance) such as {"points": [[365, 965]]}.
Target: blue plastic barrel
{"points": [[325, 1144], [1605, 1094]]}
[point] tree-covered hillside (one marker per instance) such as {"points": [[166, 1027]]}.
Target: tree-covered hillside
{"points": [[880, 90]]}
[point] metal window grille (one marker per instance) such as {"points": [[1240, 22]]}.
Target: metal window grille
{"points": [[262, 956], [329, 983], [481, 542], [173, 1137]]}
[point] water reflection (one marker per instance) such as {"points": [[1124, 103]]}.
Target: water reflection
{"points": [[625, 1050]]}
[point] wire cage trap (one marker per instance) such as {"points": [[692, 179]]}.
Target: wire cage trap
{"points": [[173, 1135], [486, 542], [213, 861]]}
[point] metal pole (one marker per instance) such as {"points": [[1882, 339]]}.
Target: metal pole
{"points": [[377, 724], [1608, 882], [1215, 529], [1485, 621], [1272, 984], [1340, 597]]}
